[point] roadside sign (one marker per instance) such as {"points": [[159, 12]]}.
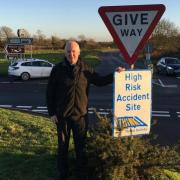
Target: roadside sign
{"points": [[131, 26], [14, 49], [26, 41], [132, 103], [20, 41], [14, 40]]}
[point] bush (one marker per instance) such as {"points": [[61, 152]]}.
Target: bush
{"points": [[112, 158]]}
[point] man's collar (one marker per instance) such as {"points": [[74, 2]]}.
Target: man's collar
{"points": [[66, 62]]}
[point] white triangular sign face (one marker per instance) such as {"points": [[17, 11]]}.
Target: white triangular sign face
{"points": [[131, 26], [128, 32]]}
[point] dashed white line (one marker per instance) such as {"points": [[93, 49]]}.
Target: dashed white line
{"points": [[37, 110], [6, 106], [102, 111], [91, 109], [171, 85], [42, 107], [160, 111], [24, 107], [178, 114], [90, 112], [161, 115]]}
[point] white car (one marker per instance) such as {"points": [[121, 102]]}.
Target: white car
{"points": [[30, 68]]}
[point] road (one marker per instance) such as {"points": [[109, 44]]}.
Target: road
{"points": [[30, 96]]}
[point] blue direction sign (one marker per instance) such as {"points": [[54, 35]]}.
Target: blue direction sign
{"points": [[20, 41], [26, 41], [14, 40]]}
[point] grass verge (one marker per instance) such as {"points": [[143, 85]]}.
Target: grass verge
{"points": [[27, 146]]}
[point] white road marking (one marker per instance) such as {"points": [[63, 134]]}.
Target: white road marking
{"points": [[160, 111], [178, 114], [91, 108], [159, 84], [102, 111], [6, 106], [90, 112], [16, 82], [42, 107], [161, 115], [170, 85], [37, 110], [24, 107]]}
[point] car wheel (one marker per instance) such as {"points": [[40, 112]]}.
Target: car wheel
{"points": [[25, 76]]}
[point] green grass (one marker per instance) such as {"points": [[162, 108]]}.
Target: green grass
{"points": [[172, 175], [28, 146], [4, 67]]}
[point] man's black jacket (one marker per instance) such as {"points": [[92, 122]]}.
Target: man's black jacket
{"points": [[68, 87]]}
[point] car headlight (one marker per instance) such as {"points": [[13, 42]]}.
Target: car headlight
{"points": [[170, 68]]}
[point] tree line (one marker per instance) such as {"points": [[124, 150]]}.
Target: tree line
{"points": [[165, 38]]}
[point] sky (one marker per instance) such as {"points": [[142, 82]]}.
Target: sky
{"points": [[70, 18]]}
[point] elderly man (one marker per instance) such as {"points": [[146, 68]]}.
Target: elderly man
{"points": [[67, 101]]}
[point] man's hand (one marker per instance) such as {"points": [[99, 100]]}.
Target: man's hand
{"points": [[120, 69], [54, 119]]}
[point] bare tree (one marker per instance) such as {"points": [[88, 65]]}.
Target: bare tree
{"points": [[6, 32], [166, 28], [56, 42], [82, 37], [165, 36]]}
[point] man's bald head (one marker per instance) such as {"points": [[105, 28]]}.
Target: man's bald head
{"points": [[72, 51]]}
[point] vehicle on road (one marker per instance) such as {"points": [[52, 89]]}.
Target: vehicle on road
{"points": [[30, 68], [168, 65]]}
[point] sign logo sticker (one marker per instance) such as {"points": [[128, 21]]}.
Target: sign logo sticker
{"points": [[129, 122]]}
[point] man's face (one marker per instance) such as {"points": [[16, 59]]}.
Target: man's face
{"points": [[72, 52]]}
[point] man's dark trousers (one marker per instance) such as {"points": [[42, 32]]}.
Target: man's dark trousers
{"points": [[79, 129]]}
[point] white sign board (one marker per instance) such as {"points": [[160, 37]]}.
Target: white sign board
{"points": [[132, 103], [133, 25]]}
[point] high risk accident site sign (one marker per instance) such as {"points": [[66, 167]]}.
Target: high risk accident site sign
{"points": [[131, 26], [132, 103]]}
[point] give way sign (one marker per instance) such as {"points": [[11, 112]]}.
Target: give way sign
{"points": [[131, 26]]}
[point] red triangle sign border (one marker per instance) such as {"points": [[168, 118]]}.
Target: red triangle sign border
{"points": [[160, 8]]}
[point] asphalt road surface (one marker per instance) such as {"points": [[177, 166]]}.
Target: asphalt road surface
{"points": [[30, 96]]}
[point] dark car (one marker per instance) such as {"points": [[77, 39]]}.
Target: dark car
{"points": [[168, 65]]}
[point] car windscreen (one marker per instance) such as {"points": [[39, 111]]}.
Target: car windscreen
{"points": [[26, 64], [173, 61], [14, 64]]}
